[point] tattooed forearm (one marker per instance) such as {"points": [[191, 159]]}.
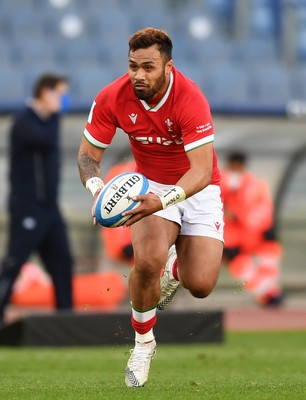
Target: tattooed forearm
{"points": [[88, 167]]}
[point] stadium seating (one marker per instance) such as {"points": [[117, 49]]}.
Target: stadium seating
{"points": [[88, 80], [229, 85], [270, 85], [262, 21], [87, 39], [30, 52], [301, 40], [12, 88], [253, 50], [298, 83], [5, 53]]}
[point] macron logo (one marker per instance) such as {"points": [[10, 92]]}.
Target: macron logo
{"points": [[133, 117]]}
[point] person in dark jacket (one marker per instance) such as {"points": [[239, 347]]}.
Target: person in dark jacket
{"points": [[35, 220]]}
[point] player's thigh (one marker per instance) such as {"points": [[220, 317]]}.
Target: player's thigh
{"points": [[151, 238], [199, 260]]}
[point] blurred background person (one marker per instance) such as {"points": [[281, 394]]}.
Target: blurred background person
{"points": [[35, 220], [251, 251]]}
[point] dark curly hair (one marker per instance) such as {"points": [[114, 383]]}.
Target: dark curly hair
{"points": [[148, 37]]}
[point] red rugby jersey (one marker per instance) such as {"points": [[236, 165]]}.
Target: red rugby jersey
{"points": [[160, 136]]}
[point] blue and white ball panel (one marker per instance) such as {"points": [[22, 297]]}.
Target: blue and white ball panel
{"points": [[115, 198]]}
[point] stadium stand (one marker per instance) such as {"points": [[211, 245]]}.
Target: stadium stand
{"points": [[229, 85], [85, 35], [263, 23], [301, 41], [298, 82], [271, 84]]}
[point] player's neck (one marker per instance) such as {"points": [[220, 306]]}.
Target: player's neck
{"points": [[156, 99], [153, 101]]}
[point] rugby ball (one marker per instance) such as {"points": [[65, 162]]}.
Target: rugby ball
{"points": [[116, 197]]}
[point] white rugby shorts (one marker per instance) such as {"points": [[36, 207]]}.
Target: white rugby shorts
{"points": [[199, 215]]}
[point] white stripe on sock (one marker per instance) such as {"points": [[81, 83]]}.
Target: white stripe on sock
{"points": [[143, 316]]}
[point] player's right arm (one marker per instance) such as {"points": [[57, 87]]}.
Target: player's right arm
{"points": [[98, 134], [89, 161]]}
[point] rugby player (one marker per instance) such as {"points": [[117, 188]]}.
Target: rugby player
{"points": [[170, 128]]}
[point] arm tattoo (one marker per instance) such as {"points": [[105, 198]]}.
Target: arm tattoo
{"points": [[88, 167]]}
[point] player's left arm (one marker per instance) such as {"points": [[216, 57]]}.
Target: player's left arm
{"points": [[198, 136], [199, 174]]}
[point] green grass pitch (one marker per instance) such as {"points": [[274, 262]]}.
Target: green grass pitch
{"points": [[246, 366]]}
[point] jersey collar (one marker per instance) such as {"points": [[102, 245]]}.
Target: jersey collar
{"points": [[162, 101]]}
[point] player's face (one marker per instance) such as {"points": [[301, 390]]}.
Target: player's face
{"points": [[148, 72]]}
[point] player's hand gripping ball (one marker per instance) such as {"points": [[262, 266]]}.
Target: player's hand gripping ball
{"points": [[116, 197]]}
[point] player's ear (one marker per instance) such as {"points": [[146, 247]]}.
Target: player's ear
{"points": [[169, 66]]}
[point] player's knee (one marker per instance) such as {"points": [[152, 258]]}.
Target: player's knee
{"points": [[199, 293], [201, 289], [147, 268]]}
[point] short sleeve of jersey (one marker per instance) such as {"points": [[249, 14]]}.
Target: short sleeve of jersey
{"points": [[101, 126], [196, 121]]}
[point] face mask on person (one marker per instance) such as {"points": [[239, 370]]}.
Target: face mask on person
{"points": [[65, 103], [234, 179]]}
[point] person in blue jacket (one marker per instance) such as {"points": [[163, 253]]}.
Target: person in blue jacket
{"points": [[35, 220]]}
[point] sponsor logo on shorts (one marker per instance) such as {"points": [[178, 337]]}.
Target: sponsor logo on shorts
{"points": [[217, 225]]}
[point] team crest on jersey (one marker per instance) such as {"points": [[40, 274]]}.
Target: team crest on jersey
{"points": [[169, 124]]}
